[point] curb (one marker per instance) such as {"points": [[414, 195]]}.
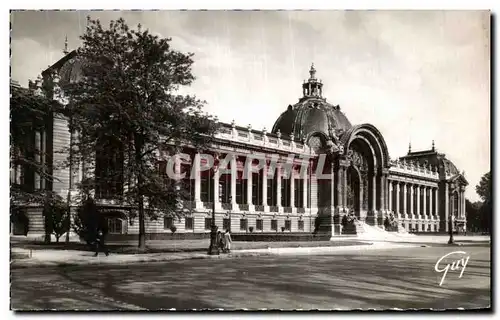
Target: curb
{"points": [[23, 263]]}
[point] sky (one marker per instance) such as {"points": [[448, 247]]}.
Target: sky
{"points": [[417, 76]]}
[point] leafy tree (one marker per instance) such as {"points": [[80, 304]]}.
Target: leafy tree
{"points": [[29, 110], [483, 189], [126, 110], [474, 219], [55, 213]]}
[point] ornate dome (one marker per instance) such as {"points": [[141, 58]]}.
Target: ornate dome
{"points": [[449, 166], [312, 114]]}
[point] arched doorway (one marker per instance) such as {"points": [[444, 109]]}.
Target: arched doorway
{"points": [[353, 190], [367, 152], [362, 162]]}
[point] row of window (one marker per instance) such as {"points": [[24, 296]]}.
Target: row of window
{"points": [[225, 186], [168, 222], [207, 185]]}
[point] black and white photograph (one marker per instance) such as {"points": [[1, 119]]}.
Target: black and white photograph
{"points": [[250, 160]]}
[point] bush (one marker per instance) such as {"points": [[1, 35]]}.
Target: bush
{"points": [[173, 228], [250, 229], [18, 216]]}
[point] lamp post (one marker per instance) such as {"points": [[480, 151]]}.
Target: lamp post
{"points": [[450, 228], [214, 248]]}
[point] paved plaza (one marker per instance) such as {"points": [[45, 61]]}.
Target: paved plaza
{"points": [[345, 279]]}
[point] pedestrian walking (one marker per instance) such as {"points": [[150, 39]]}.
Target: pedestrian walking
{"points": [[227, 241], [218, 241], [101, 239]]}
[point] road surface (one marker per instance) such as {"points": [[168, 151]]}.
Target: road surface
{"points": [[379, 279]]}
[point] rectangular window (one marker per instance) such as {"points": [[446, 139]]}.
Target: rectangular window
{"points": [[301, 225], [288, 225], [207, 186], [257, 188], [243, 224], [299, 193], [188, 223], [115, 226], [187, 183], [109, 171], [259, 225], [208, 223], [225, 188], [272, 191], [226, 224], [274, 225], [167, 222], [285, 192], [241, 188]]}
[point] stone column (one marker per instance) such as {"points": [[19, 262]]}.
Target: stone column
{"points": [[332, 188], [338, 194], [249, 175], [374, 199], [278, 187], [344, 186], [197, 181], [38, 150], [234, 174], [463, 205], [374, 192], [216, 189], [292, 188], [264, 188], [304, 189], [411, 207], [335, 195], [446, 206], [405, 201], [418, 212], [424, 210], [383, 182], [390, 195], [197, 177], [436, 202], [397, 211]]}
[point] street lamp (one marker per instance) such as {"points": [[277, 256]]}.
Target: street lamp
{"points": [[450, 228], [214, 248]]}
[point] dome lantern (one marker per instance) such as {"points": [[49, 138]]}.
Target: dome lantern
{"points": [[312, 88]]}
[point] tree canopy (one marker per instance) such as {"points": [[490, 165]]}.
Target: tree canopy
{"points": [[27, 112], [483, 189], [126, 108]]}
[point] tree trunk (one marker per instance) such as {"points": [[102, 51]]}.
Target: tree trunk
{"points": [[142, 228], [140, 199], [47, 227]]}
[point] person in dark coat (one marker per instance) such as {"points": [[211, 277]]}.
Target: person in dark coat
{"points": [[102, 232], [220, 241]]}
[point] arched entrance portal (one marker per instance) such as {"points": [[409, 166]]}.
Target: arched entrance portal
{"points": [[367, 153], [353, 190]]}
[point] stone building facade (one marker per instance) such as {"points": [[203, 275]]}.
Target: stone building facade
{"points": [[349, 172]]}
